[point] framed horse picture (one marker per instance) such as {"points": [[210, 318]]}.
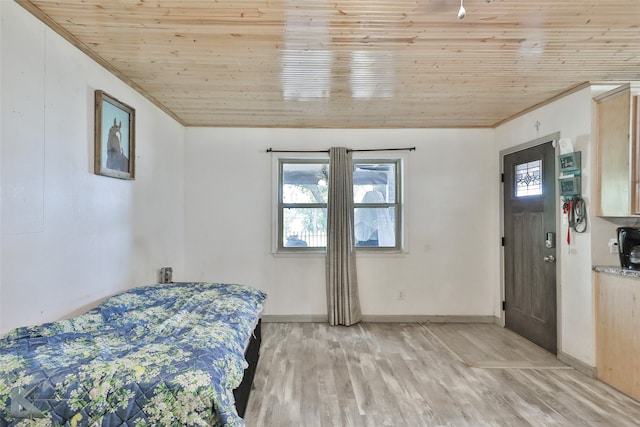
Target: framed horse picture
{"points": [[115, 137]]}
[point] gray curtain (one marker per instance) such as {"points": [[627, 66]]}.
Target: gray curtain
{"points": [[343, 300]]}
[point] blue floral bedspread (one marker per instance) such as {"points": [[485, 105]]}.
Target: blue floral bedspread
{"points": [[159, 355]]}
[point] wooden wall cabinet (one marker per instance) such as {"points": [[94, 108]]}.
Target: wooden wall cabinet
{"points": [[617, 153], [617, 337]]}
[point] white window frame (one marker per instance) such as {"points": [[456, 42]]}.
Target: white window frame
{"points": [[277, 244], [281, 206]]}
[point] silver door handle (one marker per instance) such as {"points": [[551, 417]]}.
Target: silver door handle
{"points": [[550, 258]]}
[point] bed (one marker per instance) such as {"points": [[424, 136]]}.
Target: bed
{"points": [[166, 354]]}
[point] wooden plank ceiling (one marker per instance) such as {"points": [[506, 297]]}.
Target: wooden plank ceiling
{"points": [[352, 63]]}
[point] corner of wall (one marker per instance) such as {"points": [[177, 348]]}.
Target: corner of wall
{"points": [[1, 238], [579, 366], [116, 233]]}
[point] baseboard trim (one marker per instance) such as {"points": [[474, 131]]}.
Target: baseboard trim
{"points": [[420, 318], [579, 366], [373, 318], [294, 318]]}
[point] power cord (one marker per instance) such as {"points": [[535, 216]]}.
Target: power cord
{"points": [[578, 215]]}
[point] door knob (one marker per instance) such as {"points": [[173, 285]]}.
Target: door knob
{"points": [[550, 258]]}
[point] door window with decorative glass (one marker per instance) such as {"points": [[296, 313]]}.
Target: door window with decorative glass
{"points": [[528, 179]]}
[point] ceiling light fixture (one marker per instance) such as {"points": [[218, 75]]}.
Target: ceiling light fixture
{"points": [[461, 13]]}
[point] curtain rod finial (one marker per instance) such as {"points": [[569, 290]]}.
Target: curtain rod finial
{"points": [[269, 150]]}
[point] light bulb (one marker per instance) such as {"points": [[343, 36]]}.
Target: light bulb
{"points": [[461, 13]]}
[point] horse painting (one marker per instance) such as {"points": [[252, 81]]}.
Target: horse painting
{"points": [[116, 158]]}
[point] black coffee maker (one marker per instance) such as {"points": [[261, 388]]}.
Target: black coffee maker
{"points": [[629, 247]]}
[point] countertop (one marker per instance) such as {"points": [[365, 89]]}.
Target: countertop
{"points": [[617, 271]]}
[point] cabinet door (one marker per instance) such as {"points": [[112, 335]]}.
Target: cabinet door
{"points": [[614, 178], [635, 155], [617, 339]]}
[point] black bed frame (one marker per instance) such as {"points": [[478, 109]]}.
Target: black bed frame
{"points": [[252, 354]]}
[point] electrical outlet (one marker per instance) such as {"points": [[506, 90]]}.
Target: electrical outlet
{"points": [[613, 246], [401, 295]]}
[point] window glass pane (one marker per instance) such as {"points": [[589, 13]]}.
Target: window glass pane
{"points": [[374, 183], [304, 227], [528, 179], [375, 227], [302, 209], [304, 182]]}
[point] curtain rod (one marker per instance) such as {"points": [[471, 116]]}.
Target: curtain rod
{"points": [[271, 150]]}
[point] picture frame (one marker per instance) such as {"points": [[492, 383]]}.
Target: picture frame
{"points": [[115, 137]]}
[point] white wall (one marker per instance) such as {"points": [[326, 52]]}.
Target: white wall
{"points": [[452, 264], [70, 237], [1, 191], [572, 117]]}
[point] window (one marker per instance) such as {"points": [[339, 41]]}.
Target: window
{"points": [[376, 206], [528, 179], [302, 204]]}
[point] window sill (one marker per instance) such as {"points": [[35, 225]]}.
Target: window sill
{"points": [[323, 253]]}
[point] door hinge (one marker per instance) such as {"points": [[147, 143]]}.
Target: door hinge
{"points": [[504, 305], [502, 241]]}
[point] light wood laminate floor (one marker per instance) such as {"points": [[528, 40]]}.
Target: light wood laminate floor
{"points": [[410, 374]]}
